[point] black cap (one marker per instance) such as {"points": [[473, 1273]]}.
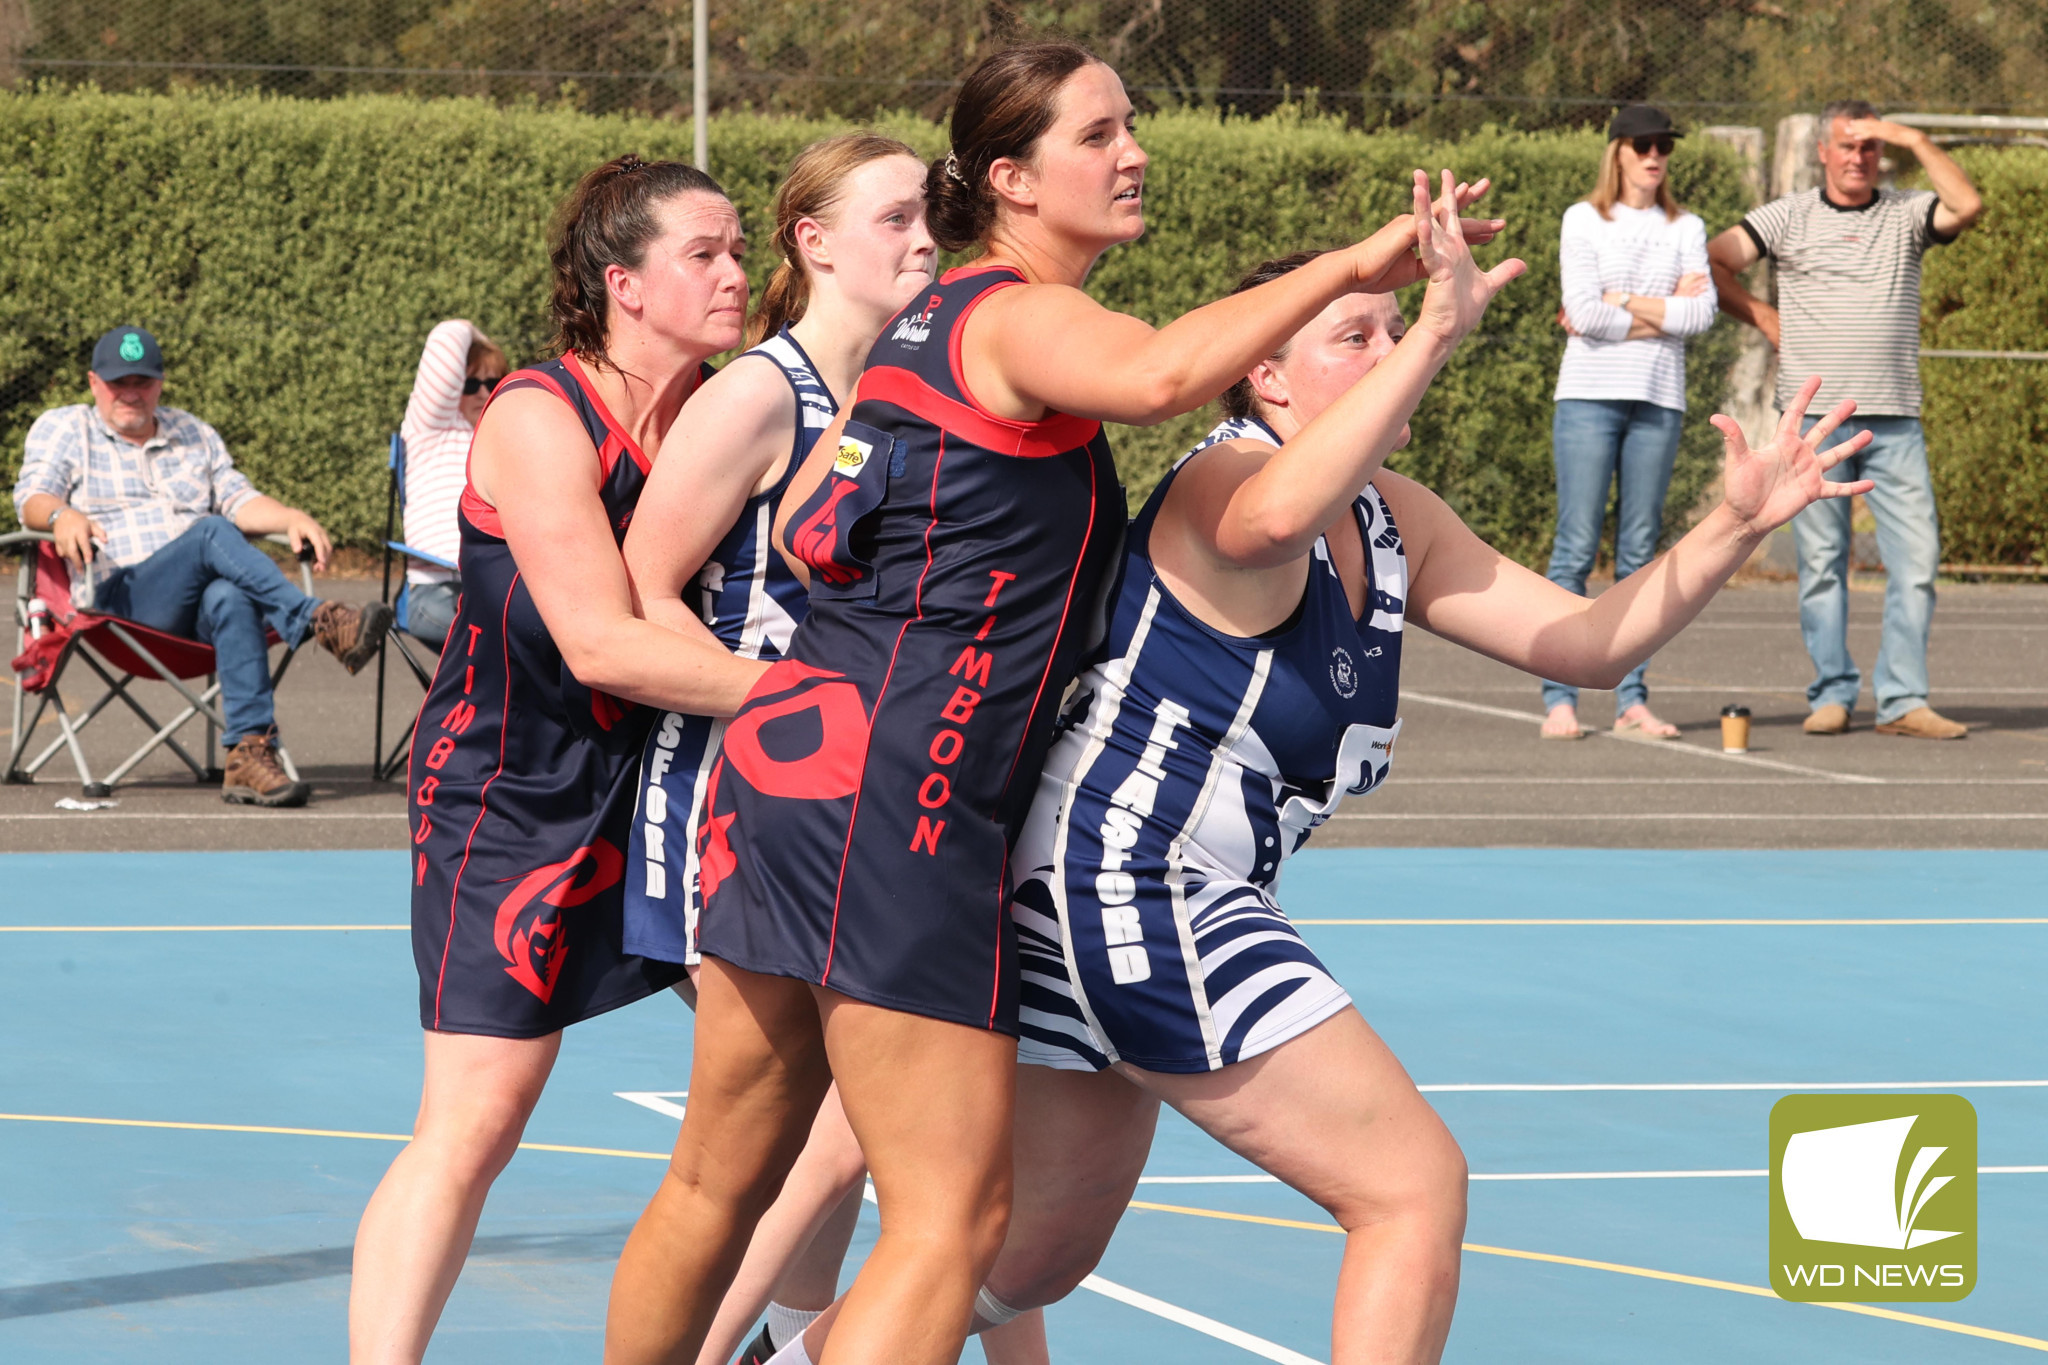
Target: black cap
{"points": [[1640, 120], [127, 351]]}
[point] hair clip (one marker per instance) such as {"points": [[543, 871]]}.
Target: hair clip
{"points": [[953, 168], [630, 163]]}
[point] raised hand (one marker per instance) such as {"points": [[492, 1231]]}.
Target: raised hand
{"points": [[1768, 486], [1406, 268], [1458, 289]]}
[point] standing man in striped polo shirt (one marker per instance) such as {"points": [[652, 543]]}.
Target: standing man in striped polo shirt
{"points": [[1848, 259]]}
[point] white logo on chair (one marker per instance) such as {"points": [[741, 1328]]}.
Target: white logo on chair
{"points": [[1343, 673]]}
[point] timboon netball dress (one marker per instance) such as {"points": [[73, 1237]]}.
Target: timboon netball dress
{"points": [[522, 786], [1198, 762], [858, 820], [752, 602]]}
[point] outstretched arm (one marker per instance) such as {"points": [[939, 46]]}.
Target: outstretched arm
{"points": [[1463, 589], [1267, 510], [1052, 347]]}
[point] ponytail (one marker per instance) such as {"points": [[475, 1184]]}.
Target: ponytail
{"points": [[812, 189], [1004, 107]]}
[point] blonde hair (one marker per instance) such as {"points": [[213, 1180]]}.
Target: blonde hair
{"points": [[481, 350], [812, 189], [1607, 188]]}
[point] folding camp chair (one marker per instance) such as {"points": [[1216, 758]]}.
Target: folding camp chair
{"points": [[120, 652], [384, 765]]}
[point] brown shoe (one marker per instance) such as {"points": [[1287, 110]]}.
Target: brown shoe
{"points": [[1828, 720], [351, 634], [1924, 722], [255, 778]]}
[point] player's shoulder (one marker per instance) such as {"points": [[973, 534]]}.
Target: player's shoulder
{"points": [[752, 392]]}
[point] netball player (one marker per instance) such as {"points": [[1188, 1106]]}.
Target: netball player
{"points": [[523, 764], [850, 230], [1249, 683], [959, 530]]}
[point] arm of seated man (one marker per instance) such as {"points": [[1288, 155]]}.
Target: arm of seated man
{"points": [[264, 516]]}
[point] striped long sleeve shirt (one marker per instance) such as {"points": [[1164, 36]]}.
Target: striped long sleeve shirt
{"points": [[436, 450], [1639, 251]]}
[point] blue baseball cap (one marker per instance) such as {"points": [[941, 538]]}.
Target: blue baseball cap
{"points": [[127, 351]]}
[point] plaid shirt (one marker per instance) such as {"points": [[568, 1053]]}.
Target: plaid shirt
{"points": [[147, 495]]}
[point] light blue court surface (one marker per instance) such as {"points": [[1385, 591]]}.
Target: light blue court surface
{"points": [[128, 1242]]}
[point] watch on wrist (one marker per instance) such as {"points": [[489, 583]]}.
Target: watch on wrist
{"points": [[60, 511], [1624, 300]]}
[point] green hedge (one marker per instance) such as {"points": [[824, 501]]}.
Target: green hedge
{"points": [[292, 256]]}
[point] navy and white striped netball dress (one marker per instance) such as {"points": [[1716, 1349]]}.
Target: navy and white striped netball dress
{"points": [[1196, 762], [858, 821], [522, 786], [752, 602]]}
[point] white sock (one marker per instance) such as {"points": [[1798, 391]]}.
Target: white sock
{"points": [[785, 1323], [993, 1310], [792, 1354]]}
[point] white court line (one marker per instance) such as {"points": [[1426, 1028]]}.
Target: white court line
{"points": [[1780, 817], [1787, 1086], [660, 1101], [1222, 1331], [1243, 1340], [1665, 746]]}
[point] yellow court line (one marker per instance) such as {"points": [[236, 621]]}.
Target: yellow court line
{"points": [[1940, 1324], [309, 1132], [191, 928], [1866, 1310], [1388, 923]]}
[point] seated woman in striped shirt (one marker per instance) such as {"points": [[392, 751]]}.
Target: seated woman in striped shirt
{"points": [[1635, 287], [458, 369]]}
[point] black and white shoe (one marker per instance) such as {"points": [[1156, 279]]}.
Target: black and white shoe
{"points": [[758, 1350]]}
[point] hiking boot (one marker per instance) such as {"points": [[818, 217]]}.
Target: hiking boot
{"points": [[1924, 722], [1827, 720], [255, 778], [351, 634]]}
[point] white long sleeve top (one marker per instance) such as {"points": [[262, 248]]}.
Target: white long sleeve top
{"points": [[1639, 251], [436, 450]]}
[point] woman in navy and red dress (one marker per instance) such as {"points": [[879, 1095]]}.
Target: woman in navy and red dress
{"points": [[960, 526], [521, 778]]}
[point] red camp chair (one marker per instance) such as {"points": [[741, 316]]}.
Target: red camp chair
{"points": [[119, 652]]}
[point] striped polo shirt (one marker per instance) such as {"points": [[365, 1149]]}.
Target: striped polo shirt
{"points": [[1849, 295]]}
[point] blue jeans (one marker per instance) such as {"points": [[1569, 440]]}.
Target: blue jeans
{"points": [[212, 585], [1908, 540], [427, 610], [1595, 441]]}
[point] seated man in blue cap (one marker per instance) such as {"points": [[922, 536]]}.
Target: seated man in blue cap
{"points": [[154, 489]]}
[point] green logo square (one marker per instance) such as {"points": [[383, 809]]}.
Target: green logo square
{"points": [[1874, 1198]]}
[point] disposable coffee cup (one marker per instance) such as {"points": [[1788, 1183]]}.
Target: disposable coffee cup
{"points": [[1735, 729]]}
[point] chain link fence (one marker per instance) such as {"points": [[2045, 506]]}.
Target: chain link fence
{"points": [[1441, 64]]}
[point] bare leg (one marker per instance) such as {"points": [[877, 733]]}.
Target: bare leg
{"points": [[1020, 1341], [757, 1075], [800, 1242], [418, 1226], [1334, 1115], [931, 1103]]}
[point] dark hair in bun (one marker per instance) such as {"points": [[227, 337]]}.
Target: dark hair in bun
{"points": [[607, 220], [1004, 107]]}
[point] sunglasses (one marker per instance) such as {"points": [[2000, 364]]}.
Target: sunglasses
{"points": [[1662, 144], [477, 384]]}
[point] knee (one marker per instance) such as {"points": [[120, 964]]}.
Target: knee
{"points": [[1426, 1191], [472, 1147], [221, 602]]}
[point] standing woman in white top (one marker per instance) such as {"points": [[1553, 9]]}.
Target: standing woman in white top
{"points": [[1635, 286], [458, 369]]}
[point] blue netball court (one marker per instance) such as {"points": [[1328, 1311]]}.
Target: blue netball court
{"points": [[211, 1057]]}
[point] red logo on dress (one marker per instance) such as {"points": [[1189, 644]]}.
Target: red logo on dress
{"points": [[532, 941], [831, 770]]}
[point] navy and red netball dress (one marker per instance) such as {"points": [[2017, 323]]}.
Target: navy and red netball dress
{"points": [[859, 817], [522, 788], [1199, 761], [752, 602]]}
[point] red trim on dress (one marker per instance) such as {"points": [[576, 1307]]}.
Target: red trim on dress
{"points": [[1066, 615], [611, 423], [504, 724], [481, 514], [1055, 434]]}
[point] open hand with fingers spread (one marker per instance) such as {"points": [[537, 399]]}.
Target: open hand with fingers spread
{"points": [[1406, 267], [1768, 486], [1458, 289]]}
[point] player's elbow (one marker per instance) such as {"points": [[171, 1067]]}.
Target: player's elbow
{"points": [[598, 662]]}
